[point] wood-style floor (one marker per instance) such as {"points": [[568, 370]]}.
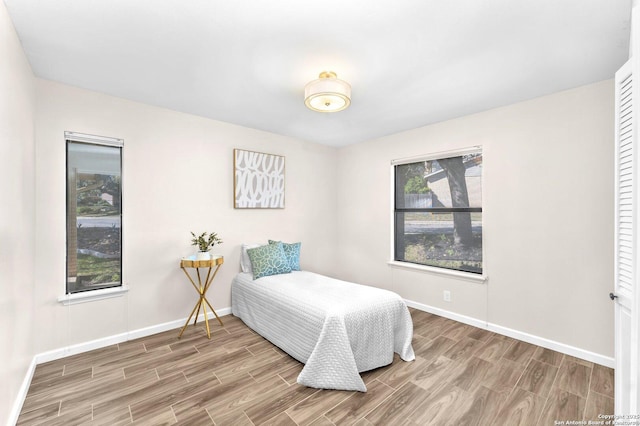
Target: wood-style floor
{"points": [[461, 376]]}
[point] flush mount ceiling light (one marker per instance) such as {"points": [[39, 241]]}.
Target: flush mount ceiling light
{"points": [[327, 93]]}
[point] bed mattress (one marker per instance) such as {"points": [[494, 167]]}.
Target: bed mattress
{"points": [[336, 328]]}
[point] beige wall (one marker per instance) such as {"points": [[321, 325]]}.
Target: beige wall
{"points": [[17, 106], [548, 216], [177, 178]]}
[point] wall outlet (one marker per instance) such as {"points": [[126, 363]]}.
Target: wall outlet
{"points": [[446, 296]]}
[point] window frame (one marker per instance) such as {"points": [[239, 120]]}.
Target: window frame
{"points": [[393, 262], [103, 291]]}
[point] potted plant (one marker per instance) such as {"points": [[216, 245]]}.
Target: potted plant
{"points": [[205, 242]]}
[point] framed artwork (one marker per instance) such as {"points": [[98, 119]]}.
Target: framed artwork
{"points": [[258, 181]]}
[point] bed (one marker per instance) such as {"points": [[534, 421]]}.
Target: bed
{"points": [[336, 328]]}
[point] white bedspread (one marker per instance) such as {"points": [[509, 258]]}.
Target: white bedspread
{"points": [[336, 328]]}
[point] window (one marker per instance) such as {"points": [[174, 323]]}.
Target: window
{"points": [[94, 213], [438, 211]]}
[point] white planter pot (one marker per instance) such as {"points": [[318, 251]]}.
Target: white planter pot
{"points": [[203, 255]]}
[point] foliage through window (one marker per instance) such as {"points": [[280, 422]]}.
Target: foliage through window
{"points": [[94, 215], [438, 212]]}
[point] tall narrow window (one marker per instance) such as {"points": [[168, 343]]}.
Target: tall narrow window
{"points": [[94, 213], [438, 212]]}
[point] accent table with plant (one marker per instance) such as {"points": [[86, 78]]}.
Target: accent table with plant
{"points": [[205, 242]]}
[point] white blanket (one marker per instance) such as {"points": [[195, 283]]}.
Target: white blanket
{"points": [[336, 328]]}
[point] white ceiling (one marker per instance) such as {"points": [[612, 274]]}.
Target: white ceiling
{"points": [[410, 62]]}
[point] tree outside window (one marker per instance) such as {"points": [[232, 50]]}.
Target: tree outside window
{"points": [[438, 212]]}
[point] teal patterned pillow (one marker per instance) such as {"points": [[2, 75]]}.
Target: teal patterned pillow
{"points": [[268, 260], [292, 253]]}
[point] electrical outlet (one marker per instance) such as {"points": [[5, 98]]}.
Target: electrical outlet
{"points": [[446, 296]]}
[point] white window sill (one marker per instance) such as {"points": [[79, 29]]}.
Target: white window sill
{"points": [[90, 296], [481, 279]]}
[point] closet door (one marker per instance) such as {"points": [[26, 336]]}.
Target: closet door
{"points": [[625, 293]]}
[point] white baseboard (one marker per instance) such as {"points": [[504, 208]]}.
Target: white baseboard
{"points": [[447, 314], [22, 394], [88, 346], [117, 338], [519, 335], [155, 329]]}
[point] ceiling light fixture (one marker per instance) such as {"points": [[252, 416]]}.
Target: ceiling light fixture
{"points": [[327, 93]]}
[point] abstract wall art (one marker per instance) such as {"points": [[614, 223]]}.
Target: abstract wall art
{"points": [[258, 180]]}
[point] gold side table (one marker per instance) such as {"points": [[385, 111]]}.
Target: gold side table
{"points": [[202, 288]]}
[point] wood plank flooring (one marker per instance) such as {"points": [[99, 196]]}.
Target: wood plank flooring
{"points": [[461, 376]]}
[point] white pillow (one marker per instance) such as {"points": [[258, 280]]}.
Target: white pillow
{"points": [[245, 262]]}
